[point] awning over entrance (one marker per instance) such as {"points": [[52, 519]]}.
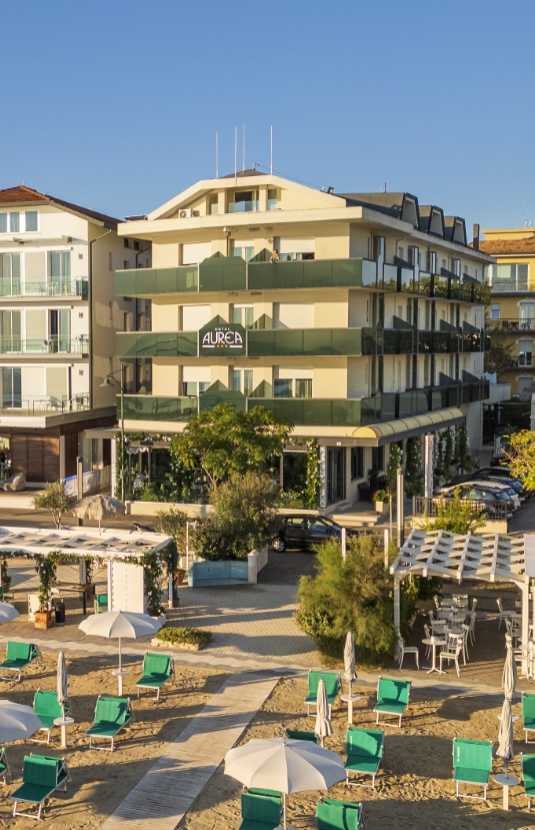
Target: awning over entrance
{"points": [[377, 435]]}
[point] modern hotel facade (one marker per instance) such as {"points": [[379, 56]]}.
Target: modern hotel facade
{"points": [[358, 317]]}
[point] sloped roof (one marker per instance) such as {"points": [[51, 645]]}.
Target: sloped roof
{"points": [[21, 193], [243, 173], [26, 195], [508, 246]]}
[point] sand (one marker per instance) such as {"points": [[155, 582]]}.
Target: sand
{"points": [[100, 780], [414, 789]]}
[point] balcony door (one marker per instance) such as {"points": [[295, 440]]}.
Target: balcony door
{"points": [[11, 388], [525, 352], [336, 474], [9, 275], [10, 331], [60, 271], [526, 315], [59, 330]]}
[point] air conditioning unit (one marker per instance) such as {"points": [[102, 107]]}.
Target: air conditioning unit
{"points": [[185, 213]]}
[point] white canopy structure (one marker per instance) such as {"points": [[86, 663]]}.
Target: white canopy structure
{"points": [[489, 558]]}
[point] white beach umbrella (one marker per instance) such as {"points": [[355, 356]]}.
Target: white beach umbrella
{"points": [[324, 727], [349, 660], [505, 735], [98, 508], [17, 721], [284, 765], [7, 612], [62, 681]]}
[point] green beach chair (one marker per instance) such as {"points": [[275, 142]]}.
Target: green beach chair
{"points": [[41, 775], [100, 603], [338, 815], [392, 699], [300, 735], [528, 714], [528, 775], [111, 715], [18, 656], [332, 687], [47, 708], [260, 811], [157, 668], [6, 596], [364, 749], [4, 766], [472, 764]]}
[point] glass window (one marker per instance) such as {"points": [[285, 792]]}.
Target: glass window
{"points": [[31, 220], [303, 388], [242, 315], [11, 387], [282, 388], [9, 275], [357, 462], [213, 204], [273, 200], [3, 222], [495, 311], [14, 222], [242, 381], [243, 249]]}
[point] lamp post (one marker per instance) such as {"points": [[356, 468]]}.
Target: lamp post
{"points": [[120, 383]]}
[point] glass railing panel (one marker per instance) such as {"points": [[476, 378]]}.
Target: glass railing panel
{"points": [[261, 342], [424, 284], [369, 341], [421, 405], [407, 341], [453, 395], [242, 207], [390, 277], [388, 407], [317, 341], [317, 273], [435, 400], [370, 410], [466, 393], [346, 412], [368, 273], [288, 342], [126, 344], [440, 341], [222, 274], [347, 273], [425, 342], [456, 291], [163, 409], [482, 292], [390, 341], [405, 405], [408, 284], [346, 341], [440, 286]]}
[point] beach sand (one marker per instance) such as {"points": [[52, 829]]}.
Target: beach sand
{"points": [[414, 789], [101, 780]]}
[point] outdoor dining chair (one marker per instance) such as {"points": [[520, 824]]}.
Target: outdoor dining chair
{"points": [[427, 632], [452, 652], [403, 650], [527, 763], [41, 776]]}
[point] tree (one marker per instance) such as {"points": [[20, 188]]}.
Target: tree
{"points": [[226, 442], [245, 518], [355, 595], [499, 351], [394, 461], [456, 515], [520, 453], [55, 499], [414, 480], [173, 523]]}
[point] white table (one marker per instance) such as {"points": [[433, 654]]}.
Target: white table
{"points": [[64, 722], [506, 781], [119, 674], [350, 700], [434, 642]]}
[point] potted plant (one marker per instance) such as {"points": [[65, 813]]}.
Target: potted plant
{"points": [[46, 570], [4, 575], [380, 498]]}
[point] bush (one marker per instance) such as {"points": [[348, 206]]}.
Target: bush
{"points": [[355, 595], [456, 515], [185, 636], [56, 500]]}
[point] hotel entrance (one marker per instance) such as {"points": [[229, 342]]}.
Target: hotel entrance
{"points": [[336, 474]]}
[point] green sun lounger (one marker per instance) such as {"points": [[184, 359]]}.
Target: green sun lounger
{"points": [[528, 775], [528, 714], [18, 656], [47, 708], [332, 687], [111, 715], [4, 766], [157, 668], [41, 775], [260, 811], [338, 815], [300, 735], [392, 699], [364, 748], [472, 764], [100, 603]]}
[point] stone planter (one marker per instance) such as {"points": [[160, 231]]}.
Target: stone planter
{"points": [[43, 619], [381, 507]]}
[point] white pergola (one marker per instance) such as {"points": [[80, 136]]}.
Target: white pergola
{"points": [[488, 558]]}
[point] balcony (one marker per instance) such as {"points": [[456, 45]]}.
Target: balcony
{"points": [[509, 286], [524, 360], [242, 207], [77, 287], [304, 342], [17, 405], [157, 344], [143, 407], [149, 281], [512, 324], [54, 344]]}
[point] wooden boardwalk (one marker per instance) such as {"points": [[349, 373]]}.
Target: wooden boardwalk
{"points": [[164, 795]]}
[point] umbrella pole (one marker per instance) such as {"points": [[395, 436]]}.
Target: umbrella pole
{"points": [[120, 667], [284, 810]]}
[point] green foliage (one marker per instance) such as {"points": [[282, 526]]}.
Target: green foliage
{"points": [[499, 351], [56, 500], [414, 480], [245, 518], [153, 571], [462, 459], [394, 461], [226, 442], [4, 574], [46, 571], [381, 495], [456, 515], [151, 492], [355, 595], [312, 490], [520, 454], [196, 637]]}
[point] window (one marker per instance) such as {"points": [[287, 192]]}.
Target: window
{"points": [[136, 245], [432, 262], [213, 204], [59, 324], [242, 315], [126, 264], [9, 275], [59, 270], [401, 253], [244, 202], [511, 272], [110, 261], [292, 387], [357, 462], [10, 331], [242, 381], [526, 315], [494, 311], [272, 199], [3, 222], [31, 220], [11, 388], [193, 388], [243, 249], [414, 255], [525, 352], [195, 379], [126, 242], [456, 266], [14, 222], [296, 249]]}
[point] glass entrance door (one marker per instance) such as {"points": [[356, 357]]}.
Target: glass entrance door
{"points": [[336, 474]]}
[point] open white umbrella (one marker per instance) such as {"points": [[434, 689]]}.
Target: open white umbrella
{"points": [[17, 721], [505, 735], [98, 508], [324, 727], [284, 765], [7, 612], [116, 625]]}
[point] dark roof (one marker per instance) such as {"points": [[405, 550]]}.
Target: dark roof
{"points": [[508, 246], [26, 195], [384, 202], [244, 173]]}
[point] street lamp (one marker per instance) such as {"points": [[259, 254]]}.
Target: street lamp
{"points": [[120, 383]]}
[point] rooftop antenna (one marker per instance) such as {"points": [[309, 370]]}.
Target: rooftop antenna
{"points": [[243, 149], [235, 155], [217, 155], [271, 149], [527, 223]]}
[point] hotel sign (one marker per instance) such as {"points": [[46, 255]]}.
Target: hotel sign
{"points": [[222, 340]]}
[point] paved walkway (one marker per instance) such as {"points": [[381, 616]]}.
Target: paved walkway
{"points": [[164, 795]]}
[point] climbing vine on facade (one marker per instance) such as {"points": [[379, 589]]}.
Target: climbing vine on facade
{"points": [[312, 488]]}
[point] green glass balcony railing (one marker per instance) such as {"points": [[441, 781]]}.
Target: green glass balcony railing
{"points": [[139, 407], [148, 281], [223, 274], [295, 342], [157, 344]]}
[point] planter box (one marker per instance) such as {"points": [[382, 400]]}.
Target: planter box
{"points": [[155, 643], [219, 572], [43, 619], [381, 507]]}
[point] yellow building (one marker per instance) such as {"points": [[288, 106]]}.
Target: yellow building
{"points": [[357, 316], [512, 281]]}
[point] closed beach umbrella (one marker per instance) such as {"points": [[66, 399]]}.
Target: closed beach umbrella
{"points": [[284, 765], [17, 721], [509, 676], [505, 736], [99, 508], [7, 612], [62, 681], [349, 660], [324, 727]]}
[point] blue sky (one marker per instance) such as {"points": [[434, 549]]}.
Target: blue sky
{"points": [[115, 103]]}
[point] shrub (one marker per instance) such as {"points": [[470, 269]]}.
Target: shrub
{"points": [[56, 500], [456, 515], [185, 636]]}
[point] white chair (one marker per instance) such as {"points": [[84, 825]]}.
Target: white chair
{"points": [[428, 636], [403, 650], [431, 615], [474, 603], [466, 631], [473, 617], [437, 602], [452, 654]]}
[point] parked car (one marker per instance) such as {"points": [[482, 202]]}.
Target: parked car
{"points": [[299, 530], [505, 473], [494, 502], [489, 474]]}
